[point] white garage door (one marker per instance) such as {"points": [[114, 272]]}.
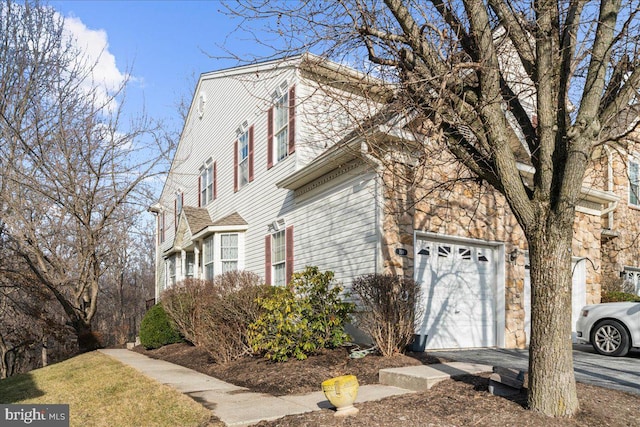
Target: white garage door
{"points": [[458, 307], [578, 296]]}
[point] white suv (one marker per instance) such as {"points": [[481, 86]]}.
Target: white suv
{"points": [[612, 328]]}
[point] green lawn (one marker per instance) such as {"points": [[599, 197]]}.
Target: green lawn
{"points": [[103, 392]]}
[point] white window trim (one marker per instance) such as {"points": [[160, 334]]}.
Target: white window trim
{"points": [[206, 186], [243, 176], [206, 262], [281, 263], [186, 265], [284, 101], [223, 260]]}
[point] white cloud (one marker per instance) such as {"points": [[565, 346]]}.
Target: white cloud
{"points": [[94, 47]]}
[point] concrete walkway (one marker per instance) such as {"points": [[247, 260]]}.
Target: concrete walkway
{"points": [[237, 406]]}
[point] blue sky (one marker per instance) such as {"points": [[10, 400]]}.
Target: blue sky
{"points": [[160, 42]]}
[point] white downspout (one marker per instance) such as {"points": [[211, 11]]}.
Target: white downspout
{"points": [[155, 210]]}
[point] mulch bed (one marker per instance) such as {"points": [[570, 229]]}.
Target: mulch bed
{"points": [[462, 401]]}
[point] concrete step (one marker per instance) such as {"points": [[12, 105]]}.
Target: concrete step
{"points": [[423, 377]]}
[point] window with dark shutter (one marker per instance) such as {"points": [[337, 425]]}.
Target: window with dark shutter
{"points": [[267, 259], [270, 138], [235, 165], [292, 120], [289, 253]]}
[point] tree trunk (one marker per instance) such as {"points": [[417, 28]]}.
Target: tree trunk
{"points": [[552, 388], [4, 365], [87, 339], [44, 352]]}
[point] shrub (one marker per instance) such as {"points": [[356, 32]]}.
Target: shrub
{"points": [[230, 308], [302, 318], [616, 296], [215, 315], [388, 310], [157, 330], [184, 303]]}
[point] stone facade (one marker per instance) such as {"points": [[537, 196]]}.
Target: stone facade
{"points": [[621, 237], [438, 197]]}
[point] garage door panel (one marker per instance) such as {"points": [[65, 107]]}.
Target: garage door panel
{"points": [[458, 298]]}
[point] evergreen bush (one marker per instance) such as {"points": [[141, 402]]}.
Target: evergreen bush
{"points": [[156, 329], [302, 318]]}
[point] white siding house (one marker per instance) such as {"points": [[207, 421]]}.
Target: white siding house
{"points": [[243, 191], [268, 178]]}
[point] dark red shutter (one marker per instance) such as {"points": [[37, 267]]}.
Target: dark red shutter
{"points": [[200, 190], [251, 154], [215, 180], [292, 120], [288, 236], [267, 259], [270, 138], [235, 166]]}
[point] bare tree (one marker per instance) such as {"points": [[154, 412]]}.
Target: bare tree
{"points": [[73, 171], [128, 285], [502, 82], [30, 320]]}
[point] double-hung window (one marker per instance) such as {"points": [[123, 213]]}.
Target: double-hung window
{"points": [[229, 252], [171, 271], [243, 159], [278, 258], [634, 183], [190, 263], [206, 185], [281, 127], [208, 258]]}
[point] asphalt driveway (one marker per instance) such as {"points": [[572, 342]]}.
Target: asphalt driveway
{"points": [[620, 373]]}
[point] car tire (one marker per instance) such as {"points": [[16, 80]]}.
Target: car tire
{"points": [[610, 338]]}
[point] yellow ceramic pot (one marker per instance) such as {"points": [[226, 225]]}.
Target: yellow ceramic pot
{"points": [[341, 392]]}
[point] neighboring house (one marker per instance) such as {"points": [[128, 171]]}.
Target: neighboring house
{"points": [[267, 178]]}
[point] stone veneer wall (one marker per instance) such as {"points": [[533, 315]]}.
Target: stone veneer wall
{"points": [[623, 248], [430, 200]]}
